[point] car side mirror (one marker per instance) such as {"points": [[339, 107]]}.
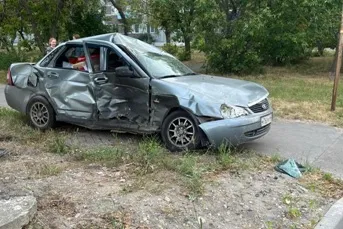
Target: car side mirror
{"points": [[125, 71]]}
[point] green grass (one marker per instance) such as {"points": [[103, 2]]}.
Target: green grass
{"points": [[46, 170], [294, 213], [300, 91], [149, 158], [303, 91], [57, 144], [328, 177], [14, 126]]}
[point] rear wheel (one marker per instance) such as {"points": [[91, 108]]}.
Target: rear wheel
{"points": [[41, 114], [180, 132]]}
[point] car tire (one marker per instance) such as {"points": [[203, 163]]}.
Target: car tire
{"points": [[180, 132], [41, 113]]}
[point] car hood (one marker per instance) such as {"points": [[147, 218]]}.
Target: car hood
{"points": [[220, 90]]}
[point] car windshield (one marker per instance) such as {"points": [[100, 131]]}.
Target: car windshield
{"points": [[161, 65], [157, 62]]}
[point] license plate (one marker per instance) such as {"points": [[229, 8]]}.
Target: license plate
{"points": [[266, 120]]}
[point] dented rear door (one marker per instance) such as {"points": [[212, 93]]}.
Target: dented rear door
{"points": [[70, 91]]}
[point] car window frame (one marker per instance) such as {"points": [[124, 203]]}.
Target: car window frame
{"points": [[65, 47], [53, 53], [131, 63]]}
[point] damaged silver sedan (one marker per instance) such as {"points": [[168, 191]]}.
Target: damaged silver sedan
{"points": [[119, 83]]}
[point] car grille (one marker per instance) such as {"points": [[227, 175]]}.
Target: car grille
{"points": [[257, 132], [260, 107]]}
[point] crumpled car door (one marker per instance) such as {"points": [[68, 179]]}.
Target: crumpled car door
{"points": [[121, 101], [69, 90]]}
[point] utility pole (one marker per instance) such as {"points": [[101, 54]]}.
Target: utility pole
{"points": [[338, 66]]}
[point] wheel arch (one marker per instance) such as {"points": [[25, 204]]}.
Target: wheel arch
{"points": [[179, 108], [196, 119], [39, 95]]}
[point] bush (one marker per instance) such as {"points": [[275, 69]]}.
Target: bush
{"points": [[171, 49], [231, 56], [182, 55], [6, 59]]}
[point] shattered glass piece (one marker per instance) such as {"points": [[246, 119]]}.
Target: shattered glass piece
{"points": [[290, 167]]}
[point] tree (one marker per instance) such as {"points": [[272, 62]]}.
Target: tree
{"points": [[240, 36], [176, 16], [119, 5], [59, 20]]}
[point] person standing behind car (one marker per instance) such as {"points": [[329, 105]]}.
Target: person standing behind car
{"points": [[76, 36], [78, 50], [52, 45]]}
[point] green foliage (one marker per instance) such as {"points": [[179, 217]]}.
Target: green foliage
{"points": [[225, 158], [108, 156], [87, 22], [58, 145], [294, 213], [171, 49], [176, 16], [45, 19], [6, 59], [149, 155], [240, 36], [328, 177], [47, 170]]}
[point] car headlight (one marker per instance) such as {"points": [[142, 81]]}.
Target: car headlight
{"points": [[232, 111]]}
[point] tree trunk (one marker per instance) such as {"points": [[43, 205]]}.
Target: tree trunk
{"points": [[320, 48], [167, 32], [23, 37], [122, 15], [187, 48]]}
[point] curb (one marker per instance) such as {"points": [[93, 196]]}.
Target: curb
{"points": [[17, 212], [333, 219]]}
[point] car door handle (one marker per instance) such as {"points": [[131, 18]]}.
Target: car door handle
{"points": [[101, 79], [53, 74]]}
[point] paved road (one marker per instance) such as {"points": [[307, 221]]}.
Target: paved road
{"points": [[317, 144], [2, 96]]}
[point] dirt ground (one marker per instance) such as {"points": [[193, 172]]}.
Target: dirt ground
{"points": [[72, 194]]}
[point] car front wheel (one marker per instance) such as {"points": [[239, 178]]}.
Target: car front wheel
{"points": [[180, 132], [41, 114]]}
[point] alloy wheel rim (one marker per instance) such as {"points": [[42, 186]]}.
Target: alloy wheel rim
{"points": [[181, 132], [39, 114]]}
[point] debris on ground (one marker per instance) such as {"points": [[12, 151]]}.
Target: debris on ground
{"points": [[290, 167]]}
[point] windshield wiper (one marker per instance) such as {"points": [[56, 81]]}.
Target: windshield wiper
{"points": [[190, 74], [171, 76]]}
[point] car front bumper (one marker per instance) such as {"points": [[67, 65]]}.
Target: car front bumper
{"points": [[236, 131]]}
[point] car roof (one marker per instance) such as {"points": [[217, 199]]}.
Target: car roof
{"points": [[103, 37]]}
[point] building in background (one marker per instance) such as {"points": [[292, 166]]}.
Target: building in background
{"points": [[141, 30]]}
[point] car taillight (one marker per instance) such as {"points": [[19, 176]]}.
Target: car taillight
{"points": [[9, 78]]}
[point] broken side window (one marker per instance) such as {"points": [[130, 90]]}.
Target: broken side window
{"points": [[49, 57]]}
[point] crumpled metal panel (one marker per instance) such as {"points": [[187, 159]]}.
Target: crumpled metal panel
{"points": [[233, 131], [123, 98], [75, 95], [137, 47], [109, 105], [194, 93], [22, 73], [219, 90], [201, 94], [71, 93]]}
